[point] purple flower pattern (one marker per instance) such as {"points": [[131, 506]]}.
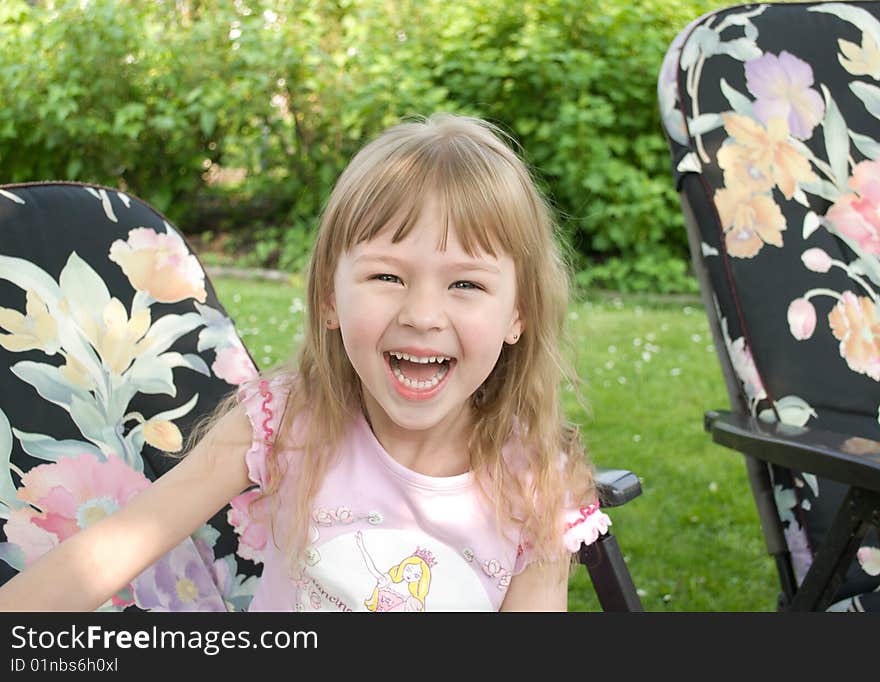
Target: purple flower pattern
{"points": [[781, 86], [179, 581]]}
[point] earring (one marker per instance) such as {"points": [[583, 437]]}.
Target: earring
{"points": [[515, 337], [329, 323]]}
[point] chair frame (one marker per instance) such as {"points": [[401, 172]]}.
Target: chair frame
{"points": [[603, 559]]}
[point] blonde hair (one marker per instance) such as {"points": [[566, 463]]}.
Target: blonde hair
{"points": [[489, 198], [418, 589]]}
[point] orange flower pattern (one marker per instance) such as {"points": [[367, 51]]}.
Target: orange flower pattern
{"points": [[855, 324], [768, 152], [756, 159], [749, 221], [743, 169], [160, 265]]}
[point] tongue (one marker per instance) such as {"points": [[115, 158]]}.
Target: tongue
{"points": [[418, 371]]}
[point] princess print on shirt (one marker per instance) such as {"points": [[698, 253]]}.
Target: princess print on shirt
{"points": [[414, 571]]}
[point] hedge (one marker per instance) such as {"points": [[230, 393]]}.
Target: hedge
{"points": [[238, 116]]}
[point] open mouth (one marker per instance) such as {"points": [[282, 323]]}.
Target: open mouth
{"points": [[418, 373]]}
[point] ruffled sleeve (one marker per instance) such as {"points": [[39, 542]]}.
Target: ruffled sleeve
{"points": [[584, 526], [264, 403], [581, 526], [248, 514]]}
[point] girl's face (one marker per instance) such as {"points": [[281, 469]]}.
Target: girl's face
{"points": [[423, 328], [412, 573]]}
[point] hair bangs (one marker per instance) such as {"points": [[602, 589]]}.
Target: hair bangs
{"points": [[390, 199], [474, 201], [479, 193]]}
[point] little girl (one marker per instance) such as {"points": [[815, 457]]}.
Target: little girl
{"points": [[415, 456]]}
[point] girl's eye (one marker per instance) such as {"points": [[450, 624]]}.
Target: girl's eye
{"points": [[463, 284]]}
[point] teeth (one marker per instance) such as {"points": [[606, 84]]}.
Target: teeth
{"points": [[406, 381], [421, 361]]}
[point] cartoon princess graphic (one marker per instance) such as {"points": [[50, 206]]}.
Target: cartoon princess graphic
{"points": [[414, 570]]}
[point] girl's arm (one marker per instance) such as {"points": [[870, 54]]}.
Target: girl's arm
{"points": [[90, 567], [540, 587], [368, 560]]}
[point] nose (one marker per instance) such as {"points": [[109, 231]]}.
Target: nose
{"points": [[422, 309]]}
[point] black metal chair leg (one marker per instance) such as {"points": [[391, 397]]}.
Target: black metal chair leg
{"points": [[860, 509], [611, 579]]}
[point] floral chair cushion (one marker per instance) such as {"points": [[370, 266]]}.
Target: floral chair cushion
{"points": [[112, 345], [772, 117]]}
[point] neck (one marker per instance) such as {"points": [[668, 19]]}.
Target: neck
{"points": [[437, 451]]}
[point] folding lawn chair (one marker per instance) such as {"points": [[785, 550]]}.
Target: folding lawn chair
{"points": [[771, 113], [112, 345]]}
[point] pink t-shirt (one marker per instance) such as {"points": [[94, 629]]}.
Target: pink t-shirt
{"points": [[382, 537]]}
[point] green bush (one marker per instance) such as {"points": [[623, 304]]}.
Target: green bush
{"points": [[112, 93], [240, 116], [576, 83]]}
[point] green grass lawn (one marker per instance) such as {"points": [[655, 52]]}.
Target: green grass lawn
{"points": [[692, 540]]}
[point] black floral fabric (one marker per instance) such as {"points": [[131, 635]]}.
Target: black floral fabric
{"points": [[771, 112], [112, 345]]}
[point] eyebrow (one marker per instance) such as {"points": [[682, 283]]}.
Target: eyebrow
{"points": [[461, 265]]}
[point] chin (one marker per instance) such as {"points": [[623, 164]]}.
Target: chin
{"points": [[413, 419]]}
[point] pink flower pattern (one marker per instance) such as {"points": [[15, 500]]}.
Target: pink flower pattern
{"points": [[816, 260], [801, 318], [67, 496], [763, 156], [744, 366], [343, 515], [160, 264], [494, 569], [234, 365], [857, 215]]}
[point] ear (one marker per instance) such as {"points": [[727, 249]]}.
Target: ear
{"points": [[516, 328], [328, 311]]}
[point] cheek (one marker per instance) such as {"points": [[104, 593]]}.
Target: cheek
{"points": [[484, 331], [360, 313], [363, 322]]}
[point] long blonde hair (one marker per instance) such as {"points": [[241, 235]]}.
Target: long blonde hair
{"points": [[491, 201]]}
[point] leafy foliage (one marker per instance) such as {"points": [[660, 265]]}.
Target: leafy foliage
{"points": [[240, 115]]}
